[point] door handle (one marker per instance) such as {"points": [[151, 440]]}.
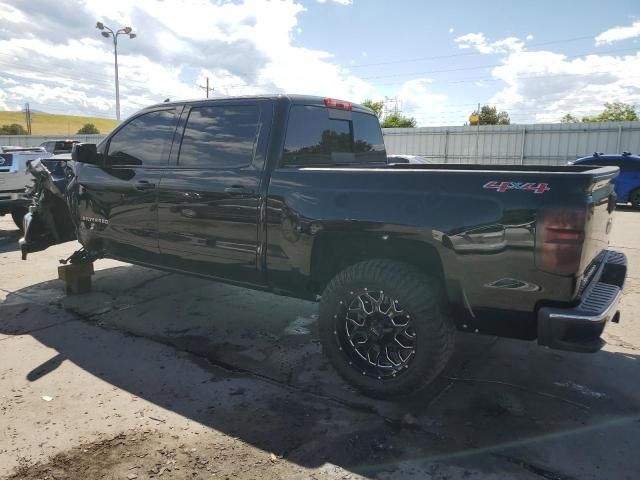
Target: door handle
{"points": [[238, 190], [145, 185]]}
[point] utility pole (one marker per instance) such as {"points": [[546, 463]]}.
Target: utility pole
{"points": [[206, 88], [395, 110], [27, 114], [478, 134]]}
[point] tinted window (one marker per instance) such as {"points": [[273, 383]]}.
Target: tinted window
{"points": [[63, 145], [145, 140], [630, 165], [220, 136], [313, 138]]}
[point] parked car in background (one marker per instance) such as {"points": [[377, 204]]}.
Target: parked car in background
{"points": [[14, 178], [59, 146], [627, 184], [407, 159]]}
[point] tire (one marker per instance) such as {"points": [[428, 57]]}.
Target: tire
{"points": [[420, 309], [634, 198], [17, 214]]}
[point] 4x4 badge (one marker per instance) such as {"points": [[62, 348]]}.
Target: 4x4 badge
{"points": [[504, 186]]}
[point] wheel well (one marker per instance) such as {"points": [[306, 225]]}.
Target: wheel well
{"points": [[333, 253]]}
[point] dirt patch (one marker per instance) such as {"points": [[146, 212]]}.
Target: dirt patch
{"points": [[154, 454]]}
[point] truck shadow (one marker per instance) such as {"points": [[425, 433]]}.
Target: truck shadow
{"points": [[264, 380]]}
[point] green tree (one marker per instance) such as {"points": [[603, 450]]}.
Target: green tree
{"points": [[13, 129], [490, 116], [375, 106], [568, 118], [88, 129], [614, 112], [396, 120]]}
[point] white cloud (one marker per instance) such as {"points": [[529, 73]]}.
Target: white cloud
{"points": [[417, 100], [243, 47], [341, 2], [11, 14], [617, 34], [450, 29], [529, 37], [482, 45], [3, 103], [541, 86]]}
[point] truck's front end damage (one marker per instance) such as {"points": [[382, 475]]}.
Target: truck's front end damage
{"points": [[49, 220]]}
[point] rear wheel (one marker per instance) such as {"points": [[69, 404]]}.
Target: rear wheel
{"points": [[384, 327], [17, 214], [634, 198]]}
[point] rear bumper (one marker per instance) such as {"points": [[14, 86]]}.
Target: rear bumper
{"points": [[579, 328]]}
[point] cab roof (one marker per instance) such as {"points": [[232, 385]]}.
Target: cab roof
{"points": [[294, 99]]}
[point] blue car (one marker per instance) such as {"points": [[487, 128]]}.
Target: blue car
{"points": [[628, 182]]}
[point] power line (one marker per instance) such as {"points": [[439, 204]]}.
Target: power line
{"points": [[101, 80], [478, 67], [466, 54]]}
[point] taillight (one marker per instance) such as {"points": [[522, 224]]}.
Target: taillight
{"points": [[340, 104], [562, 240]]}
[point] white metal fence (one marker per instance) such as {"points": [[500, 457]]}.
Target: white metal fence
{"points": [[550, 144]]}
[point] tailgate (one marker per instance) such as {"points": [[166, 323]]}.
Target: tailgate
{"points": [[599, 219]]}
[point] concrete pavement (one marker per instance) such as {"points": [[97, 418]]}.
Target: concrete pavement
{"points": [[150, 366]]}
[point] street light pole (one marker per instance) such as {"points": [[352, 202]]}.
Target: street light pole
{"points": [[115, 55], [107, 32]]}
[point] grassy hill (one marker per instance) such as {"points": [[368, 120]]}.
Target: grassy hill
{"points": [[50, 124]]}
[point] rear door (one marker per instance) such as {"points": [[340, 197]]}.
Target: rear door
{"points": [[120, 203], [208, 204]]}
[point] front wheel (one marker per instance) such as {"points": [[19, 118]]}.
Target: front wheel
{"points": [[384, 327], [634, 198], [17, 214]]}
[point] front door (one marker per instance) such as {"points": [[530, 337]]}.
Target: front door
{"points": [[120, 200], [208, 203]]}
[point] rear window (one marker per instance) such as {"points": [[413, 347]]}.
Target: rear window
{"points": [[314, 138]]}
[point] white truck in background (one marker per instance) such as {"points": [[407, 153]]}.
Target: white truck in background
{"points": [[14, 178]]}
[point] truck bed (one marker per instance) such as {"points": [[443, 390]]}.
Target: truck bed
{"points": [[486, 222]]}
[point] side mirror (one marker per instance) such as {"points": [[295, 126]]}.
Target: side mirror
{"points": [[86, 153]]}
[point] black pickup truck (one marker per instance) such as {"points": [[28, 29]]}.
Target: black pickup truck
{"points": [[294, 195]]}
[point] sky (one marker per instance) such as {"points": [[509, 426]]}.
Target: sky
{"points": [[434, 61]]}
